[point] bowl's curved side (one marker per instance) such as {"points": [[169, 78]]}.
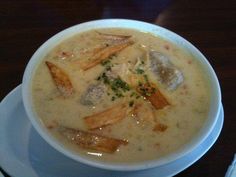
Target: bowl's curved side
{"points": [[131, 24]]}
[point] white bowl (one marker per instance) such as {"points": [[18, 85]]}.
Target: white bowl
{"points": [[131, 24]]}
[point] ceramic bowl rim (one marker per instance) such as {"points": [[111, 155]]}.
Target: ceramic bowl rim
{"points": [[131, 24]]}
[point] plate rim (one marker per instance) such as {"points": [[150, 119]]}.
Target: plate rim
{"points": [[18, 89]]}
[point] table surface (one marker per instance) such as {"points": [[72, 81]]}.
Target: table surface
{"points": [[209, 25]]}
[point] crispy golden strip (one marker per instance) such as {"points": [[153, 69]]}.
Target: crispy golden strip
{"points": [[114, 36], [61, 79], [102, 55], [92, 141], [160, 127], [107, 117], [93, 51], [158, 100], [153, 94]]}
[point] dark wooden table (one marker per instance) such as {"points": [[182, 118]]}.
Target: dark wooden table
{"points": [[210, 25]]}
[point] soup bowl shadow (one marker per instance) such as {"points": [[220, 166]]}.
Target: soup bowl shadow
{"points": [[215, 97]]}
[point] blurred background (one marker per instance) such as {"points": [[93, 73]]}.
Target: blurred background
{"points": [[210, 25]]}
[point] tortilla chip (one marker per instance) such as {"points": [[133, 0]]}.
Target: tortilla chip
{"points": [[107, 117], [61, 79], [88, 140], [91, 51], [153, 94], [104, 54], [158, 100], [113, 37]]}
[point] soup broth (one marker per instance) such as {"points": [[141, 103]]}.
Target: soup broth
{"points": [[143, 92]]}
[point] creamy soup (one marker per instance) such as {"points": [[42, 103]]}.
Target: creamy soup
{"points": [[120, 95]]}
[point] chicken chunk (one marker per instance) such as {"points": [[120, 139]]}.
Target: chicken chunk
{"points": [[93, 94], [168, 74]]}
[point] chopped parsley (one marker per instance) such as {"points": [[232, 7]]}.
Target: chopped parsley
{"points": [[146, 79], [135, 95], [131, 103], [140, 83], [118, 86], [146, 90], [139, 71], [132, 94], [105, 78], [153, 90], [106, 62], [117, 83], [118, 94], [108, 68]]}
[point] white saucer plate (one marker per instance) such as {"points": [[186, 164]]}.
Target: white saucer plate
{"points": [[23, 153]]}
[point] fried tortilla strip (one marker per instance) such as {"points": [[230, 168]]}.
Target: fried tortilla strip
{"points": [[153, 94], [158, 100], [102, 55], [92, 141], [114, 37], [92, 51], [61, 79], [160, 127], [107, 117]]}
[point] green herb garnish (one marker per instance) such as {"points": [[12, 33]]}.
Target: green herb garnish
{"points": [[132, 94], [106, 62], [131, 103], [147, 90], [146, 79], [153, 90], [139, 71], [113, 98], [140, 83], [105, 78], [118, 94], [108, 68], [117, 85]]}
